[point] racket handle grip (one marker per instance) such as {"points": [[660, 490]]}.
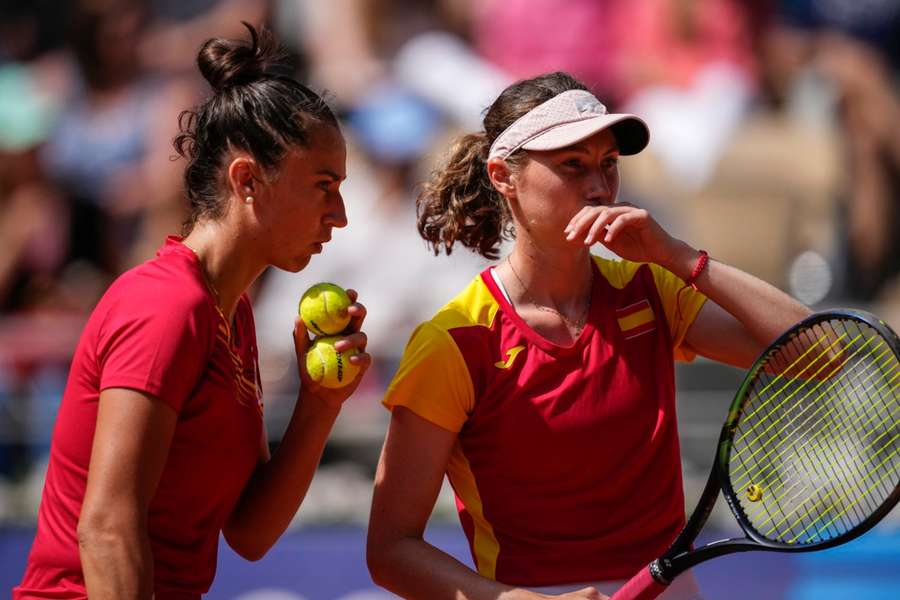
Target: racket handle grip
{"points": [[640, 587]]}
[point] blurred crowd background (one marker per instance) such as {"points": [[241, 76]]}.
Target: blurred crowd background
{"points": [[775, 146]]}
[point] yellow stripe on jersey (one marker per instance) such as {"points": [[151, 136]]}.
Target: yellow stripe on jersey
{"points": [[619, 273], [642, 317], [485, 544]]}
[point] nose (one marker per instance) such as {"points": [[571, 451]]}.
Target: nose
{"points": [[336, 215], [599, 184]]}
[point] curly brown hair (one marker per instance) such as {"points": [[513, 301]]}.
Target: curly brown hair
{"points": [[459, 202]]}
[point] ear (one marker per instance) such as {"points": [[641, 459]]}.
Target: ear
{"points": [[244, 176], [502, 177]]}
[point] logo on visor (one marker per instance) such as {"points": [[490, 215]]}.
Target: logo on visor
{"points": [[590, 106]]}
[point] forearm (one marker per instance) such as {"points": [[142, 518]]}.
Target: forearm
{"points": [[116, 561], [274, 493], [763, 310], [412, 568]]}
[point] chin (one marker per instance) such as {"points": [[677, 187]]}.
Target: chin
{"points": [[294, 265]]}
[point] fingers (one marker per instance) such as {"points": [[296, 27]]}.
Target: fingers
{"points": [[357, 339], [590, 593], [356, 310], [621, 222], [301, 336], [363, 360], [591, 223]]}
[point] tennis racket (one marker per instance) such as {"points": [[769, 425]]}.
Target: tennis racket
{"points": [[809, 456]]}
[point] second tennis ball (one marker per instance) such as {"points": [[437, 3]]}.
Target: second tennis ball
{"points": [[323, 308], [327, 366]]}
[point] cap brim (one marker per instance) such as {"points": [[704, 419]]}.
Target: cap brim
{"points": [[632, 134]]}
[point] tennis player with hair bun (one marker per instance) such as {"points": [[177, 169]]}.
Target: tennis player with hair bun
{"points": [[545, 390], [159, 445]]}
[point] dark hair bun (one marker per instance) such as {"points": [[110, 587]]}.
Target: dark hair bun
{"points": [[228, 63]]}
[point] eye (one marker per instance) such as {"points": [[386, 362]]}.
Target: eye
{"points": [[573, 163], [324, 185], [611, 162]]}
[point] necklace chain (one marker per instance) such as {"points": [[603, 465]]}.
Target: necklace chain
{"points": [[577, 324]]}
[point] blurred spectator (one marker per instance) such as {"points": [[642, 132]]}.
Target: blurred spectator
{"points": [[32, 218], [111, 148], [686, 66], [854, 46], [30, 29], [33, 238], [175, 29]]}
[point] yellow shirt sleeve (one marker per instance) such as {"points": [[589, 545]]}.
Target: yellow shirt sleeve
{"points": [[433, 380], [681, 304]]}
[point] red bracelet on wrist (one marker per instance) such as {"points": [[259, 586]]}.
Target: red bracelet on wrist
{"points": [[698, 268]]}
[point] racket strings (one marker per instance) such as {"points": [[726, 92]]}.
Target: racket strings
{"points": [[743, 475], [818, 441], [784, 373], [817, 473], [844, 494], [834, 469], [792, 421], [796, 489], [788, 385]]}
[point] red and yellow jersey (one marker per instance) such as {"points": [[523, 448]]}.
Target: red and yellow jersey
{"points": [[567, 466]]}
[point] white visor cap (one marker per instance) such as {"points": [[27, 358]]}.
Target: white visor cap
{"points": [[567, 118]]}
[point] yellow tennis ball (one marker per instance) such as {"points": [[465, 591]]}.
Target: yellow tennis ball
{"points": [[327, 366], [323, 308]]}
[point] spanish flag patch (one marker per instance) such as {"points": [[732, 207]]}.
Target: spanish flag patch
{"points": [[636, 319]]}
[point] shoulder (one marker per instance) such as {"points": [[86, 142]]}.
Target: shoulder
{"points": [[460, 324], [620, 273], [162, 290], [474, 306]]}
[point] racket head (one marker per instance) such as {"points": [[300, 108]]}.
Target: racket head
{"points": [[809, 456]]}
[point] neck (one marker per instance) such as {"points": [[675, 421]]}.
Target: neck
{"points": [[227, 266], [559, 280]]}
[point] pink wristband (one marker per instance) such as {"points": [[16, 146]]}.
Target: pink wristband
{"points": [[698, 268]]}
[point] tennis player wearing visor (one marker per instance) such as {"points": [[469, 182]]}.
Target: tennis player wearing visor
{"points": [[545, 389]]}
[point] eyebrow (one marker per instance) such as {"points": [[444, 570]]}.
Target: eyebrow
{"points": [[583, 150], [330, 173]]}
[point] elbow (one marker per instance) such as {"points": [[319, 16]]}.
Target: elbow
{"points": [[98, 529], [246, 546], [379, 553], [375, 563]]}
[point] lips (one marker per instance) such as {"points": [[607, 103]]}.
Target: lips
{"points": [[318, 245]]}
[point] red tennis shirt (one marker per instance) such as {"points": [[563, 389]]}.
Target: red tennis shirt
{"points": [[157, 330], [567, 466]]}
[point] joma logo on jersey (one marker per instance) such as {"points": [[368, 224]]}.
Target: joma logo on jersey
{"points": [[510, 357]]}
